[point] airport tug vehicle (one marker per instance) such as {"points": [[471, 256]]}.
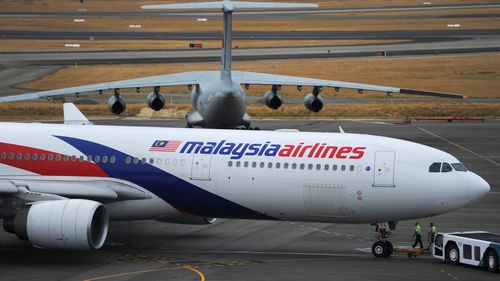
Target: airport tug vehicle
{"points": [[477, 248]]}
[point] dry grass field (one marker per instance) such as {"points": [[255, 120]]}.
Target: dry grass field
{"points": [[281, 24], [53, 111], [476, 75], [59, 6], [41, 45]]}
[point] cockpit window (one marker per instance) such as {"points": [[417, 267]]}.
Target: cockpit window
{"points": [[446, 168], [459, 167], [435, 167]]}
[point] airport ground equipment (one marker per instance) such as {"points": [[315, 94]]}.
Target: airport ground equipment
{"points": [[412, 252], [477, 248]]}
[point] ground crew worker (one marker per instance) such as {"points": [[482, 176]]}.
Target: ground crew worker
{"points": [[433, 233], [418, 236]]}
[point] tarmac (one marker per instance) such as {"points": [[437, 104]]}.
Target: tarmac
{"points": [[269, 250]]}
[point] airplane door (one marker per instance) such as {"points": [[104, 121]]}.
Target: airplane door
{"points": [[200, 169], [326, 200], [384, 168]]}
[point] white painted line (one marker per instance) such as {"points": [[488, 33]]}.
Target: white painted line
{"points": [[78, 20]]}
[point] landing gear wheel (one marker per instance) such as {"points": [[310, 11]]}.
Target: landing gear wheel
{"points": [[380, 249], [452, 254], [390, 248], [492, 261]]}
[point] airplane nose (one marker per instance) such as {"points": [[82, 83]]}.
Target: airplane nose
{"points": [[478, 187]]}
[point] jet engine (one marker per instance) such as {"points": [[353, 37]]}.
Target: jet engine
{"points": [[73, 224], [313, 101], [272, 99], [116, 104], [155, 100]]}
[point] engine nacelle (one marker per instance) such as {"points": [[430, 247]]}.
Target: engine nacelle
{"points": [[313, 102], [116, 104], [74, 224], [156, 101], [272, 100]]}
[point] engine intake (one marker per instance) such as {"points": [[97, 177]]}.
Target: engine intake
{"points": [[156, 101], [272, 99], [73, 224], [116, 104], [313, 103]]}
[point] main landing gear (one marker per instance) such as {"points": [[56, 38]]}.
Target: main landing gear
{"points": [[383, 247]]}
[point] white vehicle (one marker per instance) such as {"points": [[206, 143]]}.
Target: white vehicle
{"points": [[477, 248], [218, 97], [60, 183]]}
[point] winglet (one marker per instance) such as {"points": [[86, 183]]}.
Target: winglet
{"points": [[341, 130], [73, 116]]}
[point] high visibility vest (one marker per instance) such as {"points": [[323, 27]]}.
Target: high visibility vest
{"points": [[433, 230], [418, 230]]}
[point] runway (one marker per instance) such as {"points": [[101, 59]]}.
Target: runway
{"points": [[478, 44], [261, 250], [260, 14]]}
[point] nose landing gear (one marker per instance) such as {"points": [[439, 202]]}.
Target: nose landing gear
{"points": [[383, 247]]}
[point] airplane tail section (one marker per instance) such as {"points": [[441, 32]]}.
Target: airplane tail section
{"points": [[227, 8]]}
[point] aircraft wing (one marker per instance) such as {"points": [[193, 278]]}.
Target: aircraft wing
{"points": [[253, 78], [176, 79], [43, 187]]}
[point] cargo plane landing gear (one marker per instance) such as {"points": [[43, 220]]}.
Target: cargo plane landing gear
{"points": [[383, 247]]}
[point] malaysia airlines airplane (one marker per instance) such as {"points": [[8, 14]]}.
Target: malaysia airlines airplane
{"points": [[60, 184], [218, 98]]}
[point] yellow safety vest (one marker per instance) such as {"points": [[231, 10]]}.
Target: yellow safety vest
{"points": [[433, 230], [418, 230]]}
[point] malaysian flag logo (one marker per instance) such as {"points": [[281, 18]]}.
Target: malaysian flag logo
{"points": [[165, 145]]}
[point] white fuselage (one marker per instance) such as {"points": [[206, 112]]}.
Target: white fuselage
{"points": [[283, 175]]}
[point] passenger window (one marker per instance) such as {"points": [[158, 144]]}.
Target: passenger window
{"points": [[50, 157], [73, 158], [327, 167], [334, 167], [151, 160], [11, 155], [128, 159], [167, 162], [230, 163], [19, 156], [34, 156], [4, 155], [89, 158], [238, 163], [342, 167], [143, 160], [254, 164], [310, 166], [459, 167], [42, 157], [246, 164], [105, 159], [136, 160], [278, 165], [81, 158], [351, 168], [112, 159], [302, 166], [262, 164], [97, 159], [66, 157], [294, 166], [285, 165], [27, 156], [318, 166], [270, 165], [158, 160], [446, 168], [435, 167], [58, 157]]}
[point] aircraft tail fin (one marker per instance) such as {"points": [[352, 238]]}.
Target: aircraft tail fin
{"points": [[228, 7]]}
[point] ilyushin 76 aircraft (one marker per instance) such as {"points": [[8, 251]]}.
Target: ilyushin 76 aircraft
{"points": [[218, 98], [60, 184]]}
